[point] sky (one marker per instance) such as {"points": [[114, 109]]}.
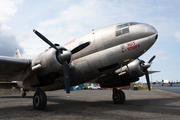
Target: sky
{"points": [[64, 20]]}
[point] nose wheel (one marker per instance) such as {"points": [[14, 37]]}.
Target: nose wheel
{"points": [[118, 96]]}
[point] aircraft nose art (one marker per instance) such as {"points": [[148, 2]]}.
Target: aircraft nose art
{"points": [[151, 31]]}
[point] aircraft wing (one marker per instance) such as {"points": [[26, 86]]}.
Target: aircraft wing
{"points": [[11, 67], [7, 85]]}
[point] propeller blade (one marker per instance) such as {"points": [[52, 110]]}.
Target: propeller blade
{"points": [[80, 47], [151, 59], [46, 40], [66, 77], [147, 79]]}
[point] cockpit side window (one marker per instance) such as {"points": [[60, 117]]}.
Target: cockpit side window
{"points": [[122, 29], [125, 30], [126, 25], [119, 27], [133, 23]]}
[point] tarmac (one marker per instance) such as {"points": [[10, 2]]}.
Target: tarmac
{"points": [[167, 87], [94, 105]]}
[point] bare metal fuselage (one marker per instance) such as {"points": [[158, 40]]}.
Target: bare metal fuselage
{"points": [[111, 48]]}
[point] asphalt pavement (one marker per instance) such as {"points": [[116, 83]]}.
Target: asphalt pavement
{"points": [[167, 87], [94, 105]]}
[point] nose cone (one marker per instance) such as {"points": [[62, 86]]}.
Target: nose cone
{"points": [[150, 30], [152, 33]]}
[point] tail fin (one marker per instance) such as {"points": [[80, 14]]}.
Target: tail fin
{"points": [[17, 54]]}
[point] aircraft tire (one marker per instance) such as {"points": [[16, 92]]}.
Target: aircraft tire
{"points": [[118, 97], [39, 100]]}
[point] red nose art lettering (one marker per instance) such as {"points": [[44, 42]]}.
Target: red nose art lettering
{"points": [[133, 47], [122, 48], [130, 46], [69, 42]]}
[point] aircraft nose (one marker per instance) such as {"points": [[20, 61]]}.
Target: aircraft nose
{"points": [[151, 31]]}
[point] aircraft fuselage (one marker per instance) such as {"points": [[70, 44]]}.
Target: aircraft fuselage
{"points": [[110, 48]]}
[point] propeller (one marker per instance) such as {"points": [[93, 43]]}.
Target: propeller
{"points": [[151, 59], [66, 77], [144, 67], [46, 40], [65, 55]]}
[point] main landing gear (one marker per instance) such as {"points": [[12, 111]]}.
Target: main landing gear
{"points": [[39, 100], [23, 93], [118, 96]]}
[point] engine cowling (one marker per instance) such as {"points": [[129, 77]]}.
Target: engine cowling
{"points": [[50, 61], [135, 68]]}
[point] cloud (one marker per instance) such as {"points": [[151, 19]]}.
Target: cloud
{"points": [[8, 42], [177, 36], [62, 21], [7, 10], [8, 45]]}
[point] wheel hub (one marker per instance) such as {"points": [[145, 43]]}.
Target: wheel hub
{"points": [[36, 100], [117, 97]]}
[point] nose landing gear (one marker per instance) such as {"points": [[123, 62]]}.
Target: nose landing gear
{"points": [[118, 96]]}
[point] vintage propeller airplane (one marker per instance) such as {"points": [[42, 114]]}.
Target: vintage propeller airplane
{"points": [[108, 56]]}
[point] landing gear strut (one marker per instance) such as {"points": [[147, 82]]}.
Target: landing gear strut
{"points": [[24, 93], [39, 100], [118, 96]]}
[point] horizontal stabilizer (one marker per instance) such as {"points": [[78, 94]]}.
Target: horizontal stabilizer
{"points": [[151, 72]]}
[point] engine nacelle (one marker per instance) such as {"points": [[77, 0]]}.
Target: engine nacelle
{"points": [[134, 69], [50, 62]]}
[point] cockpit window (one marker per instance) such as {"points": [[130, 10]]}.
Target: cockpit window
{"points": [[133, 23], [122, 29], [119, 27], [125, 30], [126, 25]]}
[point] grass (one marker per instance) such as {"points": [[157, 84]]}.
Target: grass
{"points": [[9, 91], [141, 87]]}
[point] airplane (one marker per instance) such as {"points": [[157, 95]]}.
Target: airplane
{"points": [[107, 56], [166, 81]]}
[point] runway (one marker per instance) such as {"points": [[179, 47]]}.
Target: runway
{"points": [[174, 88]]}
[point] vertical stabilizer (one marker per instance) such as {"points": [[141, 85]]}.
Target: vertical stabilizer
{"points": [[17, 54]]}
